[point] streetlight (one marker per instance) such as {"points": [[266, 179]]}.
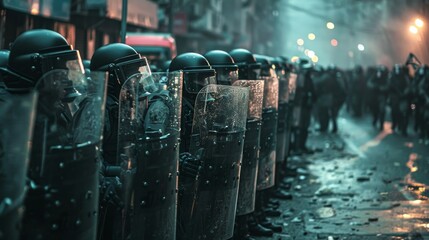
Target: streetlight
{"points": [[413, 29], [315, 59], [311, 36], [300, 41], [294, 59], [330, 25], [419, 23], [361, 47]]}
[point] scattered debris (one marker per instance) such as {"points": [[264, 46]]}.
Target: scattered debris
{"points": [[363, 179], [325, 212]]}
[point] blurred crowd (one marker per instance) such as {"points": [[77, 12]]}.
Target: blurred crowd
{"points": [[398, 95]]}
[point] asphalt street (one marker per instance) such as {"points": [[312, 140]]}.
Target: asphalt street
{"points": [[361, 183]]}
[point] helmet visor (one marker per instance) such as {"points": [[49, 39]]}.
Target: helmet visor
{"points": [[74, 75], [67, 60], [197, 79], [226, 76], [128, 69]]}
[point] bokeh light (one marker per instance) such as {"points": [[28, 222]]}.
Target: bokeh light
{"points": [[419, 23], [413, 29], [315, 59]]}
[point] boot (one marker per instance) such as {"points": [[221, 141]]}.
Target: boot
{"points": [[256, 229], [274, 227]]}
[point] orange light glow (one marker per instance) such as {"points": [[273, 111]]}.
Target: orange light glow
{"points": [[413, 29], [419, 23]]}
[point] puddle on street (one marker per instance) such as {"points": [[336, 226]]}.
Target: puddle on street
{"points": [[416, 188]]}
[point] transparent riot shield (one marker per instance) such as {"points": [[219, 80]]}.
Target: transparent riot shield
{"points": [[249, 166], [62, 201], [16, 126], [289, 109], [149, 131], [267, 158], [292, 85], [282, 118], [208, 208]]}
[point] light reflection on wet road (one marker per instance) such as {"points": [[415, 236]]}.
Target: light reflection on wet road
{"points": [[364, 185]]}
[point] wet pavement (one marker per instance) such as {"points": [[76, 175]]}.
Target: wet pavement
{"points": [[360, 184]]}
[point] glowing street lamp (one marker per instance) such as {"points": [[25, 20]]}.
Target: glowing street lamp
{"points": [[330, 25], [361, 47], [419, 23], [300, 41], [315, 59], [413, 29], [311, 36], [294, 59]]}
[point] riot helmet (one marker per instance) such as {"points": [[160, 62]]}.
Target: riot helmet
{"points": [[248, 68], [226, 69], [280, 64], [121, 62], [197, 72], [36, 52], [422, 70], [397, 69], [381, 71], [267, 67]]}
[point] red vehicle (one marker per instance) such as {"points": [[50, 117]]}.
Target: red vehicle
{"points": [[156, 47]]}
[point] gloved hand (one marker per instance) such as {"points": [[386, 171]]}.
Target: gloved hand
{"points": [[110, 189], [189, 165]]}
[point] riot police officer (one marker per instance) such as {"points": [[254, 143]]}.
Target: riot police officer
{"points": [[213, 121], [268, 153], [141, 125], [399, 96], [331, 96], [59, 205], [16, 126], [423, 93], [378, 87], [357, 90], [227, 74], [249, 69], [417, 98], [305, 99]]}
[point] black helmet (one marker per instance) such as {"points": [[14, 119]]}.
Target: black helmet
{"points": [[267, 68], [121, 61], [222, 62], [248, 68], [197, 71], [36, 52], [422, 70]]}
